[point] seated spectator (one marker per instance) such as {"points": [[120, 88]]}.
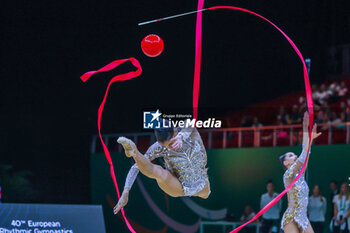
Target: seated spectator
{"points": [[333, 121], [334, 118], [343, 89], [303, 105], [344, 112], [279, 120], [323, 114], [256, 122], [342, 106], [281, 133], [315, 94], [283, 114], [295, 117], [334, 87], [248, 214], [333, 90], [346, 115], [245, 122], [324, 94]]}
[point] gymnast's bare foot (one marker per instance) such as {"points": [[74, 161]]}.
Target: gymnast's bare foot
{"points": [[128, 145]]}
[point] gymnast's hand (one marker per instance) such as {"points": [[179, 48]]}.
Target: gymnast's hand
{"points": [[122, 201], [306, 123], [314, 132], [176, 142]]}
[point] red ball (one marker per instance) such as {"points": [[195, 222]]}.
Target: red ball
{"points": [[152, 45]]}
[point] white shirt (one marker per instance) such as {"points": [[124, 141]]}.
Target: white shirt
{"points": [[343, 206], [246, 219], [317, 209], [274, 212]]}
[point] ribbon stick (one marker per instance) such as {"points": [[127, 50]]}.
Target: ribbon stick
{"points": [[307, 87], [121, 77], [198, 57]]}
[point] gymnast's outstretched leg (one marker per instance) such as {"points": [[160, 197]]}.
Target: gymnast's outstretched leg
{"points": [[184, 155], [166, 180]]}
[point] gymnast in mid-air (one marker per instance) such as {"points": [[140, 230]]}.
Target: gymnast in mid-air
{"points": [[295, 218], [185, 172]]}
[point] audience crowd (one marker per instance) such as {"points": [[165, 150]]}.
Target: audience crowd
{"points": [[338, 209], [331, 105]]}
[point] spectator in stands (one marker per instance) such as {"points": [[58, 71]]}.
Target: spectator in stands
{"points": [[334, 191], [333, 121], [295, 116], [342, 106], [323, 114], [315, 94], [303, 106], [256, 122], [344, 112], [245, 122], [317, 209], [341, 219], [270, 219], [279, 120], [334, 87], [343, 90], [281, 133], [324, 94], [334, 92], [302, 101], [248, 214], [283, 115]]}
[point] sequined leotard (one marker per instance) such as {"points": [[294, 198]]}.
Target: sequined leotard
{"points": [[297, 195], [187, 163]]}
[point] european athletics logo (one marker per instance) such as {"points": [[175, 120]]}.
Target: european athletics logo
{"points": [[151, 120]]}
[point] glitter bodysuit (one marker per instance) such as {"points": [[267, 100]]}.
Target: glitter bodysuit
{"points": [[297, 195], [187, 163]]}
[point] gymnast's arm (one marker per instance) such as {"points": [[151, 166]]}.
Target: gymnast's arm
{"points": [[300, 161], [314, 135], [183, 134]]}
